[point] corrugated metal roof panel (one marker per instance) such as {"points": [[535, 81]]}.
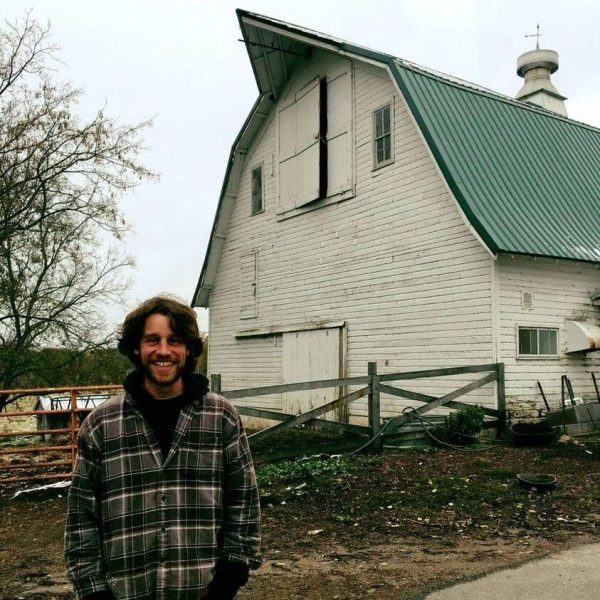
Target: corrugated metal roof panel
{"points": [[527, 179]]}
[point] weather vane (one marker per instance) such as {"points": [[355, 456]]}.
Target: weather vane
{"points": [[537, 36]]}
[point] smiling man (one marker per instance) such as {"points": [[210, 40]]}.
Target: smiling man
{"points": [[163, 502]]}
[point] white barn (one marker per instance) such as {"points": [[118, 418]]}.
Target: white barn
{"points": [[375, 210]]}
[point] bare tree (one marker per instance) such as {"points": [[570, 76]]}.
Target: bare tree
{"points": [[60, 223]]}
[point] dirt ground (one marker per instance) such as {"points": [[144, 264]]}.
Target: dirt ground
{"points": [[388, 527]]}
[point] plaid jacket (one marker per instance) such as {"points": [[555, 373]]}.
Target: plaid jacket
{"points": [[150, 529]]}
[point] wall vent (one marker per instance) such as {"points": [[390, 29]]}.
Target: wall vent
{"points": [[526, 300]]}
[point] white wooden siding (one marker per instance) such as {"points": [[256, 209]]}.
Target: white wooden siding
{"points": [[395, 262], [561, 291]]}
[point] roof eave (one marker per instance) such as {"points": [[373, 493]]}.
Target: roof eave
{"points": [[572, 259], [302, 36], [254, 119]]}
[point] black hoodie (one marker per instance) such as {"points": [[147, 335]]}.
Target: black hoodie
{"points": [[162, 415]]}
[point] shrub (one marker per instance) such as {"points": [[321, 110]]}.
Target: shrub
{"points": [[464, 424]]}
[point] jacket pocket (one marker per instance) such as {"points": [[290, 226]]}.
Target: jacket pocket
{"points": [[204, 457]]}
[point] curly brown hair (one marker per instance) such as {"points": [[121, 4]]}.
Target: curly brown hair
{"points": [[182, 320]]}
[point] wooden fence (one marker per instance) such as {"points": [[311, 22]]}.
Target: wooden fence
{"points": [[73, 413], [372, 385]]}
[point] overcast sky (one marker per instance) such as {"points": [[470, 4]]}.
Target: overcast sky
{"points": [[180, 62]]}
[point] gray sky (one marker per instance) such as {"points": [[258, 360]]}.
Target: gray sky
{"points": [[180, 62]]}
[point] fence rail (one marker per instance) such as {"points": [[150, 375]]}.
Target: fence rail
{"points": [[72, 414], [373, 390]]}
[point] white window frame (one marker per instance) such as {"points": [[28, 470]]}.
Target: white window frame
{"points": [[384, 163], [538, 356], [262, 189]]}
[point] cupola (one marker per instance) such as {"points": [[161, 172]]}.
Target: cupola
{"points": [[536, 67]]}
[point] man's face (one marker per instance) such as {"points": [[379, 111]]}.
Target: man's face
{"points": [[162, 357]]}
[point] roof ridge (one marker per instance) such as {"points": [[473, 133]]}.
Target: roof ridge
{"points": [[483, 91]]}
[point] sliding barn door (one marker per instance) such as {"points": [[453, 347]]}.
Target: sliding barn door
{"points": [[310, 356]]}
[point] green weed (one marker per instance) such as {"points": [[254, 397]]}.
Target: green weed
{"points": [[291, 472]]}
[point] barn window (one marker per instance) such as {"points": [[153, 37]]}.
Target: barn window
{"points": [[538, 341], [382, 137], [314, 130], [257, 190]]}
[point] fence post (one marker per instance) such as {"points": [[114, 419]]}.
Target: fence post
{"points": [[215, 383], [74, 426], [501, 398], [374, 405], [596, 386]]}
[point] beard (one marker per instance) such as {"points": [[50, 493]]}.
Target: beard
{"points": [[162, 379]]}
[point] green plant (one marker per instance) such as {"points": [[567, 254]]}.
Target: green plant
{"points": [[289, 472], [463, 425]]}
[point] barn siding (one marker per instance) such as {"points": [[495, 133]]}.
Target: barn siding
{"points": [[395, 262], [562, 290]]}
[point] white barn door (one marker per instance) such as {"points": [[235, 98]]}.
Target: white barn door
{"points": [[310, 356], [299, 149], [339, 134]]}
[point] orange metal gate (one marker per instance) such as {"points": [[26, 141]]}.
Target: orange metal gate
{"points": [[74, 411]]}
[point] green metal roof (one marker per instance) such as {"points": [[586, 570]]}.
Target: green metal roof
{"points": [[527, 179]]}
